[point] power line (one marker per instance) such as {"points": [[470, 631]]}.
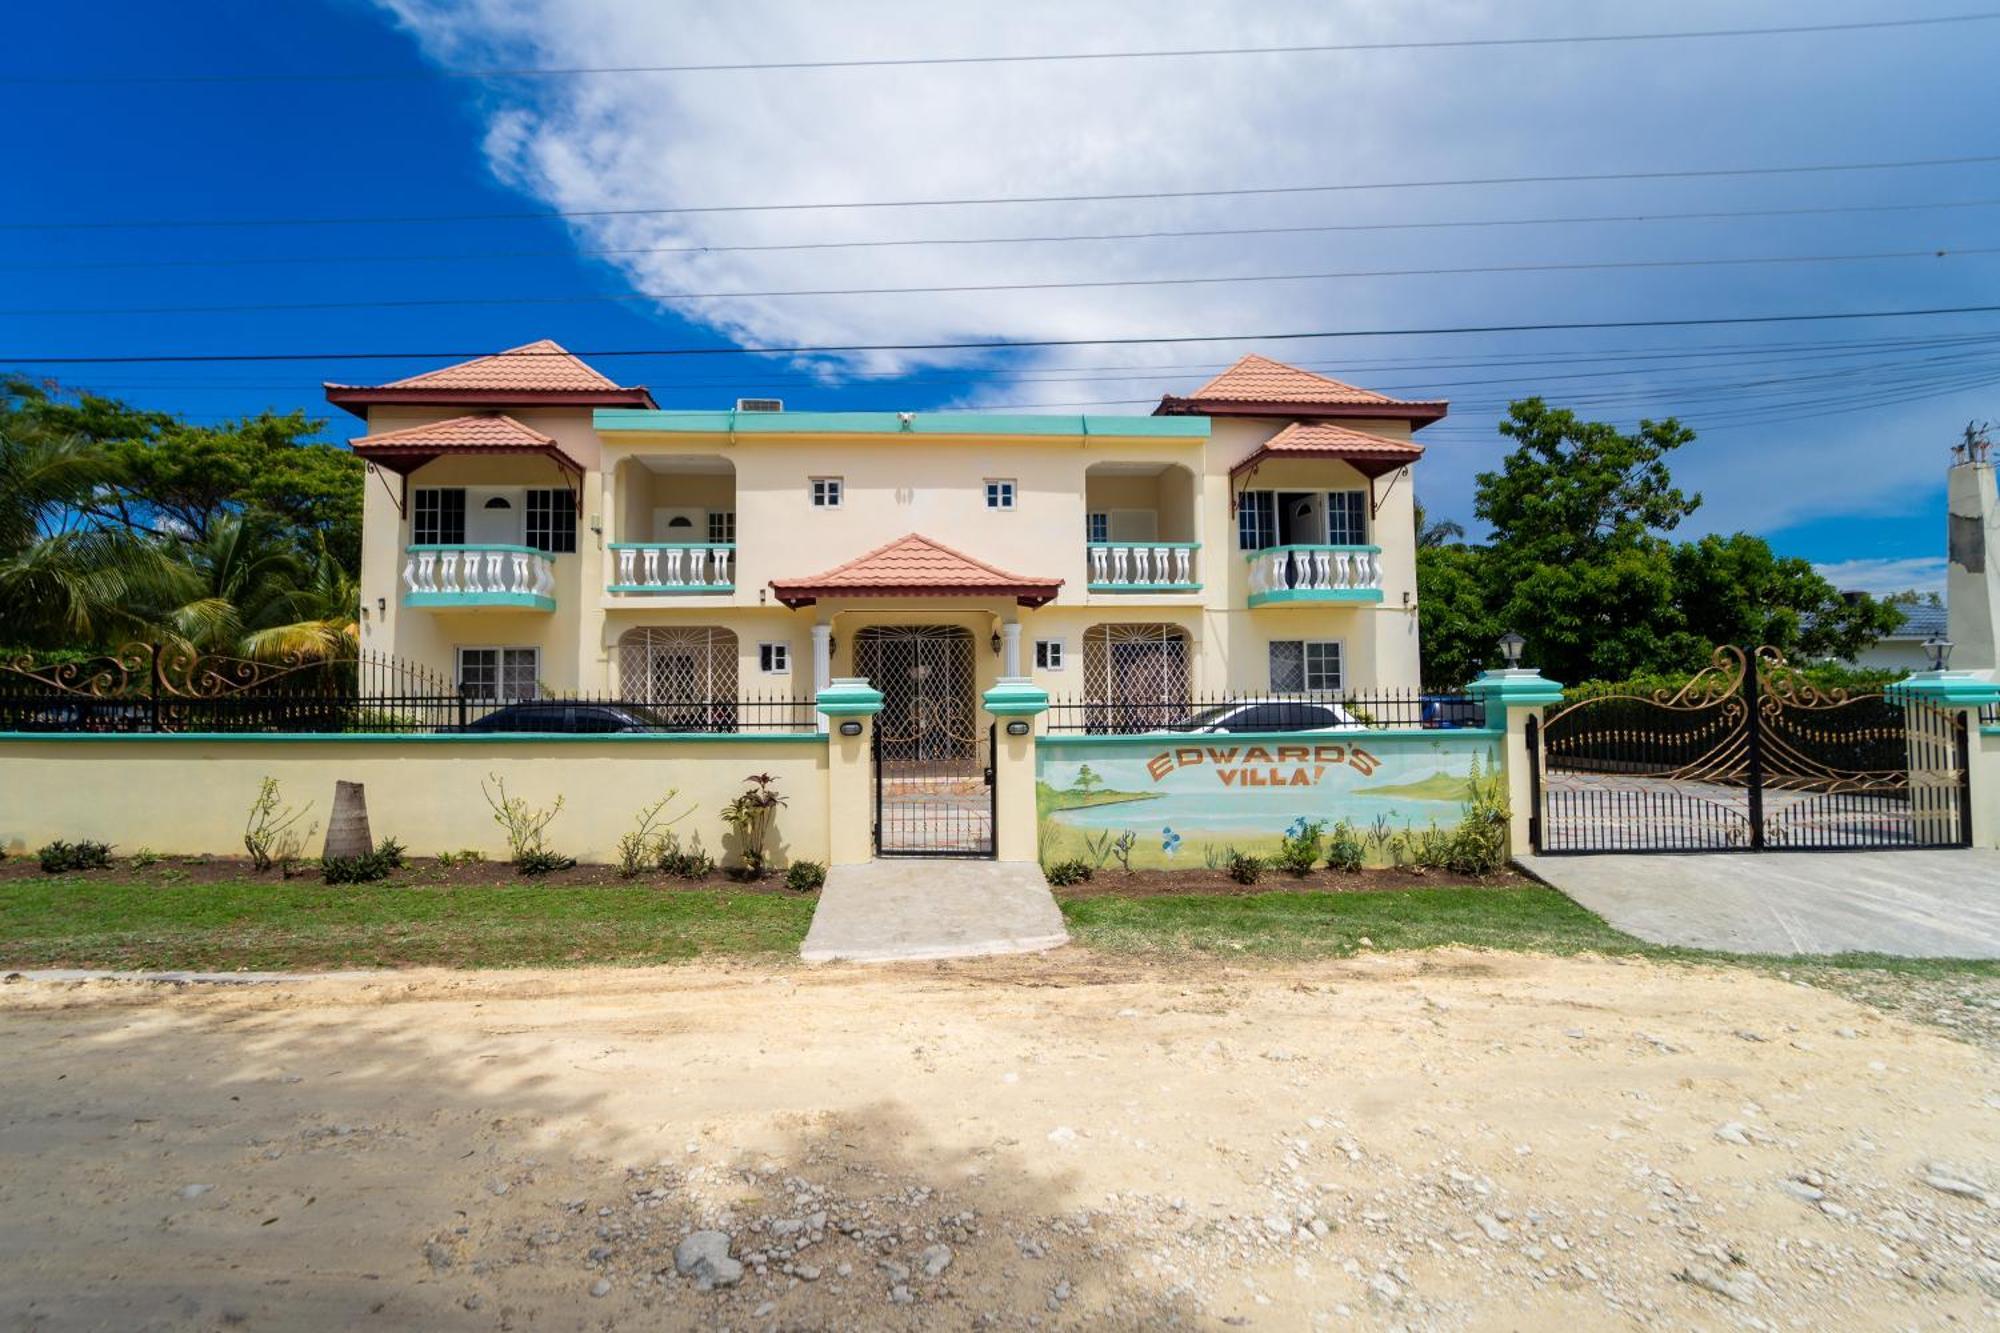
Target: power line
{"points": [[1701, 173], [905, 62], [592, 298], [1001, 345], [463, 256]]}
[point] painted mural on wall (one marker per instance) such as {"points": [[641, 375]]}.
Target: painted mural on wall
{"points": [[1188, 800]]}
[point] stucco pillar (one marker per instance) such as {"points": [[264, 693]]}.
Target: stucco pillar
{"points": [[822, 660], [1010, 650], [1962, 694], [1972, 570], [1513, 697], [1014, 702], [850, 704]]}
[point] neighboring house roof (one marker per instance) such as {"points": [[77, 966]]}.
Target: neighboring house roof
{"points": [[1370, 455], [1258, 386], [404, 451], [1921, 621], [534, 374], [915, 566]]}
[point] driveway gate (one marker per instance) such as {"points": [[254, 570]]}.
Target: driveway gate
{"points": [[1749, 756], [934, 793]]}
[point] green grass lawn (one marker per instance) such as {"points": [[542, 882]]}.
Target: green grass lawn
{"points": [[70, 921]]}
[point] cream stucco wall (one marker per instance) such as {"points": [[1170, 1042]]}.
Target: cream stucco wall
{"points": [[187, 796]]}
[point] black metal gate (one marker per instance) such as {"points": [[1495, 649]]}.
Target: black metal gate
{"points": [[934, 790], [1749, 756]]}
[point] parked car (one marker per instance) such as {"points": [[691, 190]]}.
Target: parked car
{"points": [[1450, 711], [1272, 715], [565, 716]]}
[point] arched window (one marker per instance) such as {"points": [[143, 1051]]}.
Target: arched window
{"points": [[687, 674], [1139, 673]]}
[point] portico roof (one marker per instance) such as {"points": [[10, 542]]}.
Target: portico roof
{"points": [[1370, 455], [915, 566], [404, 451], [540, 373]]}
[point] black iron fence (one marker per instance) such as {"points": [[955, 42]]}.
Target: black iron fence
{"points": [[164, 689], [1396, 710]]}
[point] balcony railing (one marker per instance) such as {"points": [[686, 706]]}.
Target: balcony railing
{"points": [[1315, 574], [483, 575], [1143, 566], [666, 568]]}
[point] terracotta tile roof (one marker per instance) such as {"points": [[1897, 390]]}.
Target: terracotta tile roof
{"points": [[1257, 382], [538, 372], [1371, 455], [410, 448], [914, 565]]}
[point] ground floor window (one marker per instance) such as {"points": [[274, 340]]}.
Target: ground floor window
{"points": [[499, 673], [690, 664], [1311, 665], [1048, 654], [1137, 666], [774, 659]]}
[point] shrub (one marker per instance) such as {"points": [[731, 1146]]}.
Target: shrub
{"points": [[689, 862], [140, 859], [1075, 870], [1246, 869], [526, 827], [749, 818], [391, 853], [59, 856], [1300, 850], [466, 856], [1121, 850], [1345, 849], [642, 845], [365, 868], [1479, 843], [805, 876], [271, 834]]}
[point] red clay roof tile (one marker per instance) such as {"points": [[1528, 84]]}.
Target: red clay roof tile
{"points": [[1372, 455], [494, 430], [914, 565], [1257, 382]]}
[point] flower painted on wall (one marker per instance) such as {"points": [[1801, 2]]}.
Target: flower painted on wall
{"points": [[1170, 841]]}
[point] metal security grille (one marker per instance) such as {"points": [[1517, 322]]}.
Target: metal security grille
{"points": [[685, 673], [1749, 756], [933, 759], [1137, 675]]}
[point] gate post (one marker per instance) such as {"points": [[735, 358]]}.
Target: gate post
{"points": [[851, 704], [1962, 694], [1015, 701], [1511, 697]]}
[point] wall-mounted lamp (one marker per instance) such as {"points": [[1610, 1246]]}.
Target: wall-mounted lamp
{"points": [[1018, 728], [381, 606], [994, 642], [1939, 648], [850, 728], [1510, 648]]}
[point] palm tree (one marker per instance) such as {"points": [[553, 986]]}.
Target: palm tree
{"points": [[1441, 533], [241, 589]]}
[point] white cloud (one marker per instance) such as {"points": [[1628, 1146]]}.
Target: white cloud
{"points": [[1885, 576]]}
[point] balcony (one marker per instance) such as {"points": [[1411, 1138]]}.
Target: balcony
{"points": [[1143, 566], [469, 576], [668, 569], [1315, 574]]}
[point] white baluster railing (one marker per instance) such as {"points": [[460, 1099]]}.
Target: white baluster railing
{"points": [[1142, 566], [1315, 569], [673, 567], [467, 574]]}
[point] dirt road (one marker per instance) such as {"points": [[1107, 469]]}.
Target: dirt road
{"points": [[1444, 1140]]}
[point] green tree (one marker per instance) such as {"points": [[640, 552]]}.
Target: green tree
{"points": [[1454, 625], [1086, 778]]}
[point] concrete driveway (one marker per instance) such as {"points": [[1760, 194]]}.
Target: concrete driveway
{"points": [[1942, 904]]}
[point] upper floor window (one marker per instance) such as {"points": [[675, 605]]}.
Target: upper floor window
{"points": [[437, 516], [1301, 518], [1347, 518], [1097, 527], [826, 492], [1256, 520], [722, 526], [999, 493], [551, 523]]}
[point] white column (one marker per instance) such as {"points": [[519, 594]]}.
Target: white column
{"points": [[1010, 648], [822, 636]]}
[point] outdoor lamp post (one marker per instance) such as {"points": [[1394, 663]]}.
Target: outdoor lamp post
{"points": [[1510, 648], [1939, 648]]}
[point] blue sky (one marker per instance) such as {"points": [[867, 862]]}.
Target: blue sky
{"points": [[1828, 438]]}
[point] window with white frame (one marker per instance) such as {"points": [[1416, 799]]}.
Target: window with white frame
{"points": [[774, 659], [437, 516], [826, 492], [498, 673], [1097, 527], [999, 493], [1256, 520], [551, 524], [1347, 518], [722, 526], [1306, 665], [1048, 654]]}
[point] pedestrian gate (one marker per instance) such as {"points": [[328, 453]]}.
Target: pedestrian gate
{"points": [[934, 788]]}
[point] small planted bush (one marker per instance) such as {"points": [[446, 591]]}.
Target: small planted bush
{"points": [[805, 876], [642, 846], [1301, 849], [1075, 870], [526, 828], [1345, 849], [363, 869], [749, 818], [59, 857], [271, 834], [542, 862], [689, 862], [1245, 868]]}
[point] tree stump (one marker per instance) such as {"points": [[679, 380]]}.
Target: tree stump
{"points": [[347, 827]]}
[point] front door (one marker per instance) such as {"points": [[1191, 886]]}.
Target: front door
{"points": [[933, 774]]}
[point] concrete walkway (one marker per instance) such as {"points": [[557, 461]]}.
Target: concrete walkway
{"points": [[1942, 904], [910, 909]]}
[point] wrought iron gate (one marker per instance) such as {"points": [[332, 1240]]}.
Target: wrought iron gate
{"points": [[1749, 756], [934, 792]]}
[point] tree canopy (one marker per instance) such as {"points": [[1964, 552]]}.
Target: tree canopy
{"points": [[1580, 564]]}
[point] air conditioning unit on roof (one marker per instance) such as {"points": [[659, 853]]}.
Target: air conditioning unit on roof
{"points": [[760, 404]]}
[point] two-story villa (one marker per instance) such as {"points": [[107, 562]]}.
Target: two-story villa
{"points": [[533, 527]]}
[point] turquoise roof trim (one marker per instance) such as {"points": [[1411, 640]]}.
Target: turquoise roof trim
{"points": [[1064, 426]]}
